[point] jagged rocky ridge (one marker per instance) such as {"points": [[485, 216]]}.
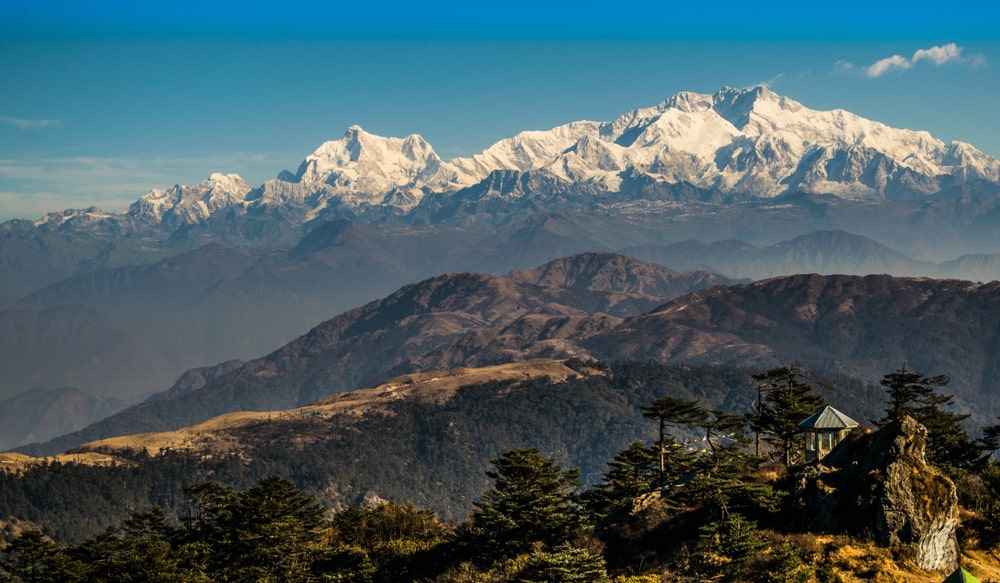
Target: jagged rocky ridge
{"points": [[734, 144]]}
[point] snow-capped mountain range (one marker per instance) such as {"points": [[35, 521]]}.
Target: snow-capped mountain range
{"points": [[736, 143]]}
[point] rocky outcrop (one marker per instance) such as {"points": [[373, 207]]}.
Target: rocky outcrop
{"points": [[878, 485]]}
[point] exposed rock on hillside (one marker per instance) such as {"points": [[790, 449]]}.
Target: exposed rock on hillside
{"points": [[878, 484]]}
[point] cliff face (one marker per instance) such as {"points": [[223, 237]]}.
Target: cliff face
{"points": [[878, 485]]}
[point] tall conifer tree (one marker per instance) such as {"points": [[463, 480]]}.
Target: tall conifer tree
{"points": [[533, 500], [912, 394], [785, 401]]}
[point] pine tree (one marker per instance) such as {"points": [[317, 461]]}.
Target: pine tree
{"points": [[720, 426], [673, 411], [372, 526], [564, 564], [273, 531], [631, 473], [140, 551], [532, 501], [912, 394], [33, 557], [733, 537], [785, 402]]}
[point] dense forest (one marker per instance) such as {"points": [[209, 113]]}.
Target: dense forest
{"points": [[686, 497], [433, 455]]}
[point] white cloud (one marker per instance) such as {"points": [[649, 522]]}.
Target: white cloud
{"points": [[29, 124], [938, 55], [895, 62], [977, 60], [769, 82], [843, 66]]}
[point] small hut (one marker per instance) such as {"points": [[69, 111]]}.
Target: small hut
{"points": [[824, 430]]}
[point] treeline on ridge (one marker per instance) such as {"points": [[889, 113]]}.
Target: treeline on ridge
{"points": [[433, 455], [663, 509]]}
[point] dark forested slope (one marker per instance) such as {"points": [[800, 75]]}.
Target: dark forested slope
{"points": [[430, 451]]}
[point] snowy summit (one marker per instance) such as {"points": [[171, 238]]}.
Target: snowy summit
{"points": [[750, 142], [737, 144]]}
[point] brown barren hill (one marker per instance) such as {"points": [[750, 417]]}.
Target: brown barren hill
{"points": [[222, 434]]}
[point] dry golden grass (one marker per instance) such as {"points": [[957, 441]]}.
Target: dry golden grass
{"points": [[217, 435], [16, 462], [856, 561], [983, 564]]}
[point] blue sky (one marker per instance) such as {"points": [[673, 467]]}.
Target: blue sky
{"points": [[102, 101]]}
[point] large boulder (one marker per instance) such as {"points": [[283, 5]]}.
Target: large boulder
{"points": [[878, 485]]}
